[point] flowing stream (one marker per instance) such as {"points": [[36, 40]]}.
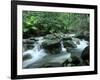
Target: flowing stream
{"points": [[63, 49], [38, 52], [81, 44]]}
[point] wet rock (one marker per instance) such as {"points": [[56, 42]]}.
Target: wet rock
{"points": [[69, 49], [52, 46], [76, 40], [73, 61], [50, 36], [58, 36], [83, 35], [48, 42], [27, 44], [85, 55], [28, 41], [26, 57], [69, 43], [67, 37]]}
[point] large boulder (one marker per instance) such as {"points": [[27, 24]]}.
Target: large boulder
{"points": [[64, 36], [69, 43], [68, 36], [52, 46], [27, 57], [52, 42], [59, 36], [50, 36], [86, 55]]}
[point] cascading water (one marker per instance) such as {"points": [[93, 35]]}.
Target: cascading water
{"points": [[63, 49], [37, 53], [81, 44]]}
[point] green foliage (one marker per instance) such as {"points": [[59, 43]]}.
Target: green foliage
{"points": [[54, 22]]}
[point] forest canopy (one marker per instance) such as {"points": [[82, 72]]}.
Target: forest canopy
{"points": [[37, 23]]}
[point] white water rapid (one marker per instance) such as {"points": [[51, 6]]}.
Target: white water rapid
{"points": [[81, 44], [63, 49], [37, 53]]}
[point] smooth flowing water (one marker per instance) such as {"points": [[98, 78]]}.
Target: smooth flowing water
{"points": [[37, 53], [63, 49], [81, 44]]}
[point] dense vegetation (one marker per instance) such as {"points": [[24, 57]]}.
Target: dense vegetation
{"points": [[36, 23]]}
